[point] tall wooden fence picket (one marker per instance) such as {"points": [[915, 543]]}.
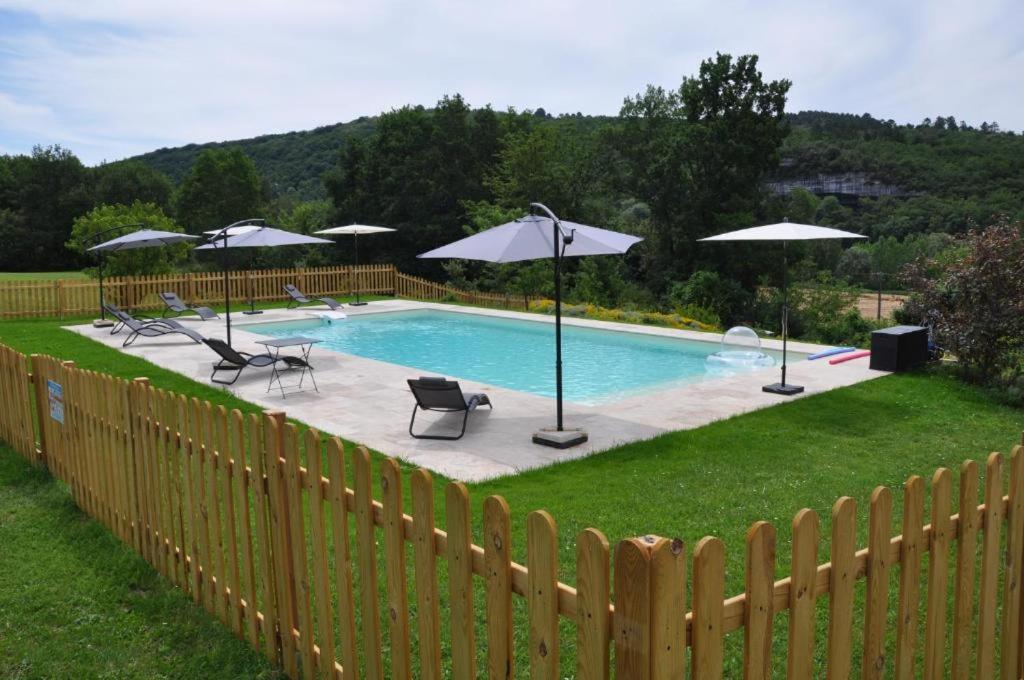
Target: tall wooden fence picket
{"points": [[277, 533]]}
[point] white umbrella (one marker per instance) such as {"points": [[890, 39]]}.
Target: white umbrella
{"points": [[261, 236], [784, 231], [536, 237], [143, 238], [355, 230]]}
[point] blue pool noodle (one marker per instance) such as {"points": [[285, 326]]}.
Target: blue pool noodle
{"points": [[830, 352]]}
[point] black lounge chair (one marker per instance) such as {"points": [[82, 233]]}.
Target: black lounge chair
{"points": [[151, 329], [233, 360], [299, 299], [123, 316], [438, 394], [174, 304]]}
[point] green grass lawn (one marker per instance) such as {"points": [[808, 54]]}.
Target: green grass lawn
{"points": [[40, 276], [77, 603], [715, 480]]}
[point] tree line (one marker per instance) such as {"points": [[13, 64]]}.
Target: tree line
{"points": [[675, 165]]}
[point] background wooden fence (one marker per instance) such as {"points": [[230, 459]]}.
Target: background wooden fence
{"points": [[71, 297], [279, 535]]}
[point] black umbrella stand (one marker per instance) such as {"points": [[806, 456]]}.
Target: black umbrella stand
{"points": [[559, 438], [781, 387]]}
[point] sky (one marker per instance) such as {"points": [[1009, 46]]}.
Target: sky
{"points": [[113, 78]]}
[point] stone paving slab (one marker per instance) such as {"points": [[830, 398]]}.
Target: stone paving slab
{"points": [[368, 401]]}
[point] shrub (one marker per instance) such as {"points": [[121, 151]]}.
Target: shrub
{"points": [[976, 302], [698, 313], [724, 298]]}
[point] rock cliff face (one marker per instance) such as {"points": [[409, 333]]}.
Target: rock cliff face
{"points": [[847, 187]]}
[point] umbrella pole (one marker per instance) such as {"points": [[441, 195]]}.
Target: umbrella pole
{"points": [[782, 388], [103, 310], [358, 275], [227, 292], [559, 438], [558, 327]]}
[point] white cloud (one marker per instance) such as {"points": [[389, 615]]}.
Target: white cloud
{"points": [[113, 78]]}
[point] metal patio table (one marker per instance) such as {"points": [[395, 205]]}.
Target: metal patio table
{"points": [[274, 347]]}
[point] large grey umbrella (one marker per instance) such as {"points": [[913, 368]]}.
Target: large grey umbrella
{"points": [[232, 236], [143, 238], [784, 231], [356, 230], [536, 237]]}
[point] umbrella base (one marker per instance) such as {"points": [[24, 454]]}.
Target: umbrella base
{"points": [[102, 323], [784, 390], [253, 311], [357, 304], [559, 439]]}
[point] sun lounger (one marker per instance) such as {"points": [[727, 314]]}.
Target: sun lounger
{"points": [[174, 304], [438, 394], [236, 362], [299, 299], [122, 316], [152, 329]]}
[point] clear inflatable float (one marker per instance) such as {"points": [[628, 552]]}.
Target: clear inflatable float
{"points": [[740, 351]]}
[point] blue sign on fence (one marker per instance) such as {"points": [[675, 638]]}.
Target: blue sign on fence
{"points": [[55, 395]]}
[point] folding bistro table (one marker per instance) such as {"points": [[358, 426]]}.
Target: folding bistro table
{"points": [[274, 348]]}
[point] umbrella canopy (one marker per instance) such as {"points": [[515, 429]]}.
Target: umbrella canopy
{"points": [[783, 231], [143, 238], [356, 229], [262, 237], [254, 237], [533, 238], [536, 237], [233, 231]]}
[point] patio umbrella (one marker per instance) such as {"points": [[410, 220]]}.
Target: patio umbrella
{"points": [[784, 231], [355, 230], [260, 237], [536, 237], [143, 238]]}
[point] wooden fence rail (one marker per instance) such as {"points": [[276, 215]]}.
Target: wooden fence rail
{"points": [[70, 297], [278, 534]]}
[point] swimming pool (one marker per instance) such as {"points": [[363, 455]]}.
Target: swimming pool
{"points": [[599, 365]]}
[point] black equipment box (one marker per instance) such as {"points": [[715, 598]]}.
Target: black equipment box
{"points": [[900, 348]]}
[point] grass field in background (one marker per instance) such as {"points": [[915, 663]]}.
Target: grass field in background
{"points": [[714, 480], [40, 276]]}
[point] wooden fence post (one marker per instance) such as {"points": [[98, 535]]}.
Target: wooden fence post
{"points": [[42, 414], [281, 539], [650, 608]]}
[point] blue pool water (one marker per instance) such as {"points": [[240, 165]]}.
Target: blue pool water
{"points": [[598, 365]]}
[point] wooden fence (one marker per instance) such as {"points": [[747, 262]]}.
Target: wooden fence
{"points": [[423, 289], [278, 534], [71, 297]]}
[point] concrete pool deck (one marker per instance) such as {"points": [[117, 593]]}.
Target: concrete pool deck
{"points": [[368, 401]]}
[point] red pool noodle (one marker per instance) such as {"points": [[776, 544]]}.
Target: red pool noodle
{"points": [[850, 357]]}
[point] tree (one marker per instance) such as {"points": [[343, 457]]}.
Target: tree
{"points": [[45, 192], [221, 188], [976, 302], [416, 173], [159, 260], [698, 155], [128, 181]]}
